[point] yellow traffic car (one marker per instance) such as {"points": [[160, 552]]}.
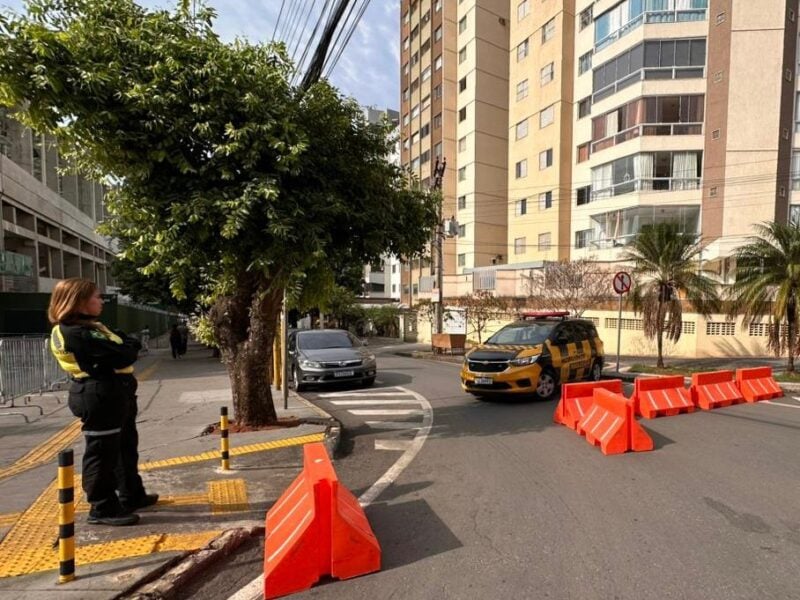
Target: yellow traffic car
{"points": [[533, 356]]}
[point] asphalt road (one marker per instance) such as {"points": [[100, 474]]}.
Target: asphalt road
{"points": [[500, 502]]}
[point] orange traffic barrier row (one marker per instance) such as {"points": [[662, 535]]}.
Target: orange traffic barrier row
{"points": [[611, 424], [757, 384], [316, 528], [577, 398], [714, 390], [661, 396]]}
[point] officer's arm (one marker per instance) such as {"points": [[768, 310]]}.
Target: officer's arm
{"points": [[97, 355]]}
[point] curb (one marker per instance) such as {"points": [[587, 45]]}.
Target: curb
{"points": [[333, 430], [182, 569]]}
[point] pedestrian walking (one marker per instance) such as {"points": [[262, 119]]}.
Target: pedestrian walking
{"points": [[184, 331], [175, 341], [145, 339], [102, 393]]}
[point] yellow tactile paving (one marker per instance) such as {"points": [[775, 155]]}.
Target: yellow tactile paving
{"points": [[45, 452], [228, 495], [238, 451]]}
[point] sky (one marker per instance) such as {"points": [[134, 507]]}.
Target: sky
{"points": [[369, 69]]}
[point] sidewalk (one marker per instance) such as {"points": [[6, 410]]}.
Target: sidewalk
{"points": [[178, 400]]}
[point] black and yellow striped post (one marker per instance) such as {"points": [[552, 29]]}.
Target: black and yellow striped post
{"points": [[223, 440], [66, 516]]}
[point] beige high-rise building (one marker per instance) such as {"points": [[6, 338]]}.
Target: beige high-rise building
{"points": [[569, 125]]}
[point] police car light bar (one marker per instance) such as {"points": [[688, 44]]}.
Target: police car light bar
{"points": [[545, 314]]}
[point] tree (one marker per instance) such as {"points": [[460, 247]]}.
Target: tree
{"points": [[575, 285], [665, 273], [768, 284], [223, 171], [480, 308]]}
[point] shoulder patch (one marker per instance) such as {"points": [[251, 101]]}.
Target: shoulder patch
{"points": [[97, 335]]}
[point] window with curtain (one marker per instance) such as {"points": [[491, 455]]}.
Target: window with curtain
{"points": [[685, 169]]}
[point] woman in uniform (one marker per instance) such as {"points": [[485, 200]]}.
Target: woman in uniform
{"points": [[102, 394]]}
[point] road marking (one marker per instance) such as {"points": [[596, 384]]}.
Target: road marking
{"points": [[255, 589], [401, 445], [369, 394], [228, 496], [779, 404], [393, 424], [386, 412], [372, 402]]}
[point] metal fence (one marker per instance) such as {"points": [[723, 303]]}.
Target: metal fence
{"points": [[27, 367]]}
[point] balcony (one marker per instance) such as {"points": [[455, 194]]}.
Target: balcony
{"points": [[618, 228], [647, 172], [645, 129], [609, 26]]}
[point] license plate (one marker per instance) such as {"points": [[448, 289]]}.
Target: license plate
{"points": [[344, 373], [483, 381]]}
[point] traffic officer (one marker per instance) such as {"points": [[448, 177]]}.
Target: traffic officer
{"points": [[102, 394]]}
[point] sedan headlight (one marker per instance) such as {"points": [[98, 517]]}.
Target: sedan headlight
{"points": [[310, 364], [370, 358], [522, 362]]}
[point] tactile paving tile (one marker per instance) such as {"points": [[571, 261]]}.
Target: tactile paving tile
{"points": [[45, 452], [228, 495]]}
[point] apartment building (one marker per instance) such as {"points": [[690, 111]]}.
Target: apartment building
{"points": [[48, 216]]}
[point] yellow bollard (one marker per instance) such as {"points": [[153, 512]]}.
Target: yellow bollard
{"points": [[223, 440], [66, 516]]}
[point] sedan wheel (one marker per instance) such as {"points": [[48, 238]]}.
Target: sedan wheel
{"points": [[297, 378], [546, 386]]}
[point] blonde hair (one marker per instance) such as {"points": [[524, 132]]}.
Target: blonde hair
{"points": [[67, 299]]}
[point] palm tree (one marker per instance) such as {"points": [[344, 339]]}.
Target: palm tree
{"points": [[768, 284], [665, 273]]}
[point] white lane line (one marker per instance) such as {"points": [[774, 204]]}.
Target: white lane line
{"points": [[386, 412], [361, 394], [778, 404], [255, 589], [405, 459], [371, 402], [401, 445], [393, 424]]}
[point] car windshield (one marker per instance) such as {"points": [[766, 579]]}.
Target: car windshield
{"points": [[523, 333], [321, 340]]}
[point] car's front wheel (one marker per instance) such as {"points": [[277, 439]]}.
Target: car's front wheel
{"points": [[297, 378], [546, 385], [596, 372]]}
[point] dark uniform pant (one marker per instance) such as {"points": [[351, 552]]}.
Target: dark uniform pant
{"points": [[108, 410]]}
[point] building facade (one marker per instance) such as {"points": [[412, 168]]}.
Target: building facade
{"points": [[48, 216], [615, 113]]}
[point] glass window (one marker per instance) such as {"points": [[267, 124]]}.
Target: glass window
{"points": [[462, 25], [521, 168], [522, 129], [522, 50], [462, 202], [544, 242], [462, 84], [584, 107], [584, 195], [437, 64], [546, 74], [522, 89], [462, 174], [585, 62], [462, 260], [548, 30], [462, 114], [527, 333], [545, 200], [519, 245], [547, 116], [546, 159], [585, 18], [321, 340], [462, 144], [437, 35], [523, 9], [521, 207], [462, 55]]}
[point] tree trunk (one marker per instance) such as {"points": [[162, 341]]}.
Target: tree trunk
{"points": [[660, 335], [245, 325], [791, 312]]}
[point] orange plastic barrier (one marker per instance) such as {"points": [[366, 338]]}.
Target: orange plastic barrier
{"points": [[576, 400], [757, 384], [610, 424], [316, 528], [661, 396], [715, 389]]}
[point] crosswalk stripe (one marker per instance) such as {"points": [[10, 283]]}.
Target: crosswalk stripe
{"points": [[361, 394], [386, 412], [393, 424], [400, 445], [366, 401]]}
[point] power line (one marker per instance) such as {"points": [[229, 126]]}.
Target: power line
{"points": [[295, 28], [322, 17], [350, 32], [280, 13], [294, 8], [314, 71], [302, 32]]}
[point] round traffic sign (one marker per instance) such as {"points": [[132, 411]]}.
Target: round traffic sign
{"points": [[622, 282]]}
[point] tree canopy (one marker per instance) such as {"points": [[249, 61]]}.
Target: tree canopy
{"points": [[224, 176]]}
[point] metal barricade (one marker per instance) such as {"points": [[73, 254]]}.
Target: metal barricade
{"points": [[27, 367]]}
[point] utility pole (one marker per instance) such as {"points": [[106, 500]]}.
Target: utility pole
{"points": [[438, 176]]}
